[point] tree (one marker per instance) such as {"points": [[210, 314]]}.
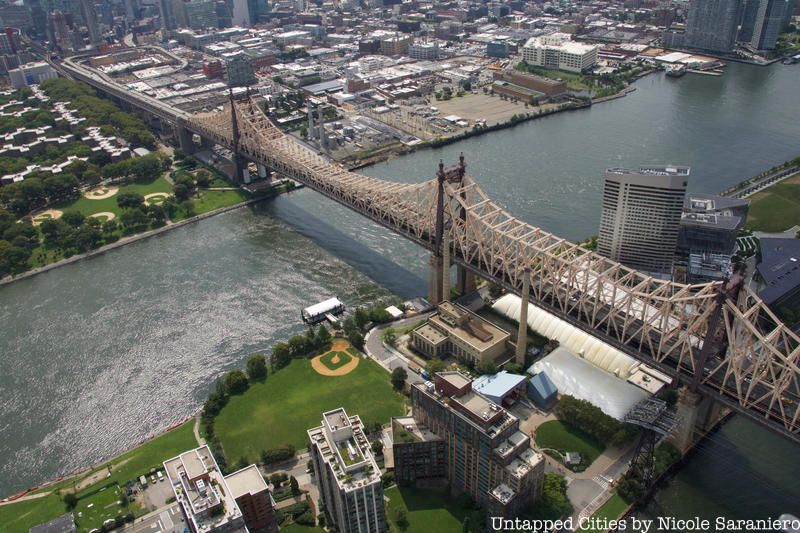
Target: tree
{"points": [[236, 381], [434, 365], [390, 337], [356, 339], [361, 317], [487, 367], [323, 336], [73, 218], [13, 259], [276, 455], [294, 485], [129, 200], [401, 519], [514, 368], [399, 376], [377, 447], [70, 500], [465, 525], [202, 178], [298, 345], [281, 356], [256, 368], [181, 191], [277, 478], [380, 316]]}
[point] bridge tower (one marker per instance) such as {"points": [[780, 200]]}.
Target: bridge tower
{"points": [[656, 420], [439, 284], [238, 161], [695, 410]]}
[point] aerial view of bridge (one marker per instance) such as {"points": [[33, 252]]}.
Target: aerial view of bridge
{"points": [[718, 338]]}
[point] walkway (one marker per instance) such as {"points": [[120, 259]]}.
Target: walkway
{"points": [[388, 357], [196, 429]]}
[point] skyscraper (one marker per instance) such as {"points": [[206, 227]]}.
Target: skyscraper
{"points": [[769, 22], [749, 14], [89, 14], [641, 216], [712, 24], [38, 17]]}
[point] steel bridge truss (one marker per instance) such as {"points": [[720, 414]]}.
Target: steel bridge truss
{"points": [[751, 363]]}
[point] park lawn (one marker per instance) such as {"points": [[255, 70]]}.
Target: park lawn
{"points": [[299, 528], [776, 208], [565, 438], [89, 207], [20, 517], [98, 504], [611, 510], [344, 358], [205, 201], [279, 410], [428, 510], [128, 466]]}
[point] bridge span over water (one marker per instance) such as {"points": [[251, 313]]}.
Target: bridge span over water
{"points": [[717, 338]]}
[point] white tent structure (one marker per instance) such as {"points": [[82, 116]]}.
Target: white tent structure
{"points": [[587, 347], [581, 379]]}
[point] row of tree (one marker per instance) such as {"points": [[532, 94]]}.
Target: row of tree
{"points": [[592, 420]]}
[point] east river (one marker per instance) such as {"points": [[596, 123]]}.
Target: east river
{"points": [[97, 355]]}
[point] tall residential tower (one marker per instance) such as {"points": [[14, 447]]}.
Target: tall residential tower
{"points": [[712, 24], [641, 216]]}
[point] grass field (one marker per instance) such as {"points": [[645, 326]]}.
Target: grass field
{"points": [[205, 201], [559, 436], [281, 409], [611, 510], [428, 510], [19, 517], [776, 208], [327, 358], [89, 207]]}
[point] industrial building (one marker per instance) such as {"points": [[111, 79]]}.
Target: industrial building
{"points": [[641, 216], [486, 455], [527, 86], [454, 330], [503, 388], [31, 74], [349, 478]]}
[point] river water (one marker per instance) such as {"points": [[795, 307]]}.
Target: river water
{"points": [[102, 353]]}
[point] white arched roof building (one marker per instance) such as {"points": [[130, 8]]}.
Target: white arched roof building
{"points": [[589, 348]]}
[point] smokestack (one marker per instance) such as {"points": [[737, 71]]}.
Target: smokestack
{"points": [[522, 332]]}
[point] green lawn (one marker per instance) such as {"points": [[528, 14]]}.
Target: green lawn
{"points": [[344, 358], [205, 201], [281, 409], [297, 528], [19, 517], [564, 438], [776, 208], [428, 510], [88, 207], [611, 510]]}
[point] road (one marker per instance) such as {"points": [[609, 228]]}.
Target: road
{"points": [[388, 357]]}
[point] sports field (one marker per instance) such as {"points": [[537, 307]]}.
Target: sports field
{"points": [[281, 409]]}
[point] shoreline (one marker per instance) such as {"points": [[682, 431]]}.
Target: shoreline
{"points": [[8, 280], [385, 154]]}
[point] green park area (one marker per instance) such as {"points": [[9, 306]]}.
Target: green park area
{"points": [[99, 491], [776, 208], [564, 438], [88, 206], [611, 510], [334, 360], [278, 410], [412, 510]]}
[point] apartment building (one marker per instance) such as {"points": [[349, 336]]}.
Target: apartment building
{"points": [[252, 495], [348, 476], [485, 453]]}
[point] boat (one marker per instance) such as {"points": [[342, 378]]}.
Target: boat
{"points": [[316, 313], [676, 70]]}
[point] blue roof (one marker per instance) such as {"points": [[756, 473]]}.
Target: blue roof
{"points": [[498, 385], [543, 385], [779, 267]]}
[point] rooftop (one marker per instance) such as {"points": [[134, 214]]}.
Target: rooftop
{"points": [[408, 429], [497, 385], [779, 267], [63, 524], [456, 379], [248, 480]]}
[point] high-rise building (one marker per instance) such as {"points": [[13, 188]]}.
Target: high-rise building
{"points": [[641, 216], [707, 238], [770, 21], [485, 454], [38, 17], [195, 14], [559, 51], [349, 478], [712, 24], [89, 14], [240, 72], [167, 15], [749, 14], [251, 494], [60, 34], [247, 12]]}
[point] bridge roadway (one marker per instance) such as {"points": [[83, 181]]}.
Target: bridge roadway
{"points": [[719, 339]]}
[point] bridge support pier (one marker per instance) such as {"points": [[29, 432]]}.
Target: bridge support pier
{"points": [[245, 173], [465, 280], [185, 141], [262, 171], [446, 268], [522, 332], [696, 414], [436, 276]]}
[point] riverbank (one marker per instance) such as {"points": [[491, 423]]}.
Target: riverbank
{"points": [[135, 238], [385, 153]]}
